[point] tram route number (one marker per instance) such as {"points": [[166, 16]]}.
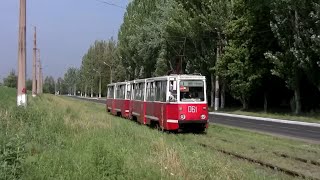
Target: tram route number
{"points": [[192, 109]]}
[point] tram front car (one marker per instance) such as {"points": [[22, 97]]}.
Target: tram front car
{"points": [[188, 105]]}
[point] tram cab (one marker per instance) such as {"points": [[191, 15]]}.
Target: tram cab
{"points": [[187, 102]]}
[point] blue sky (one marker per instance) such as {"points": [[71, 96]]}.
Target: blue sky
{"points": [[66, 29]]}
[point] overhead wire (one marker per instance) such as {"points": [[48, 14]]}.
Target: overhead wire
{"points": [[111, 4]]}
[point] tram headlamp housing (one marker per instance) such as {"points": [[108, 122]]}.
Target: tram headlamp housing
{"points": [[182, 117], [203, 116]]}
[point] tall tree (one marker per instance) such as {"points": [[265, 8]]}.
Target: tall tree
{"points": [[295, 25]]}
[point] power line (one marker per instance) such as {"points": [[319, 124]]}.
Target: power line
{"points": [[111, 4]]}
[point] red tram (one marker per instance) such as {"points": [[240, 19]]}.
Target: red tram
{"points": [[170, 102]]}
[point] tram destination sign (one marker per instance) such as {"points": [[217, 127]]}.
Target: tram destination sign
{"points": [[191, 83]]}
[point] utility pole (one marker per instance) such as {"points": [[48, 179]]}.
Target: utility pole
{"points": [[21, 90], [41, 79], [38, 74], [34, 68]]}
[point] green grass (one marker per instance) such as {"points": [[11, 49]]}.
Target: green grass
{"points": [[306, 117], [61, 138]]}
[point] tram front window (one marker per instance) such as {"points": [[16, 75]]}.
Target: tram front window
{"points": [[191, 91]]}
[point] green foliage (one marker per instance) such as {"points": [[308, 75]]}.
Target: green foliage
{"points": [[102, 59], [258, 41], [71, 79], [295, 25], [11, 80], [49, 85], [29, 84], [12, 154]]}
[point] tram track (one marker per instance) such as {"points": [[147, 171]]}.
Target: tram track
{"points": [[297, 159], [259, 162], [272, 166]]}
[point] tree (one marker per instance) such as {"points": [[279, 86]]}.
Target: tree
{"points": [[61, 86], [70, 79], [11, 80], [295, 25], [49, 85]]}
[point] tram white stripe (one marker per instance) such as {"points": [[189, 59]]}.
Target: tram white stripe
{"points": [[152, 117], [172, 121], [136, 114], [117, 109]]}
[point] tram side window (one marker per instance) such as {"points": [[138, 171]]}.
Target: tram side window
{"points": [[158, 91], [139, 91], [121, 91], [142, 91], [172, 91], [117, 92], [128, 92], [111, 92], [133, 96], [161, 89], [148, 93], [153, 91], [136, 92]]}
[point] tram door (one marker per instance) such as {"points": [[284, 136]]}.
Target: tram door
{"points": [[150, 102], [160, 105]]}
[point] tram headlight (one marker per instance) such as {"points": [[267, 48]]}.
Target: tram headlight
{"points": [[203, 116], [182, 117]]}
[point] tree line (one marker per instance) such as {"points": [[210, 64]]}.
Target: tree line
{"points": [[48, 84], [250, 49], [260, 54]]}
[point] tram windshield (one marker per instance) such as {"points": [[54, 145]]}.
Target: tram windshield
{"points": [[192, 91]]}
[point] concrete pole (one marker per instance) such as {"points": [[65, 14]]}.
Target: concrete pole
{"points": [[41, 82], [34, 67], [38, 73], [21, 90]]}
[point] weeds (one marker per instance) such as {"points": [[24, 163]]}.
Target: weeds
{"points": [[60, 138]]}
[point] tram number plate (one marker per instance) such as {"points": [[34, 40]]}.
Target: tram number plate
{"points": [[192, 109]]}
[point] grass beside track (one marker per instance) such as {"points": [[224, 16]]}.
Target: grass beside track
{"points": [[61, 138], [306, 117]]}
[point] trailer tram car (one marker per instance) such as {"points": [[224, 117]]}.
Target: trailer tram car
{"points": [[173, 102]]}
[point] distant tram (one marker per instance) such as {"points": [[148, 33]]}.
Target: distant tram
{"points": [[174, 102]]}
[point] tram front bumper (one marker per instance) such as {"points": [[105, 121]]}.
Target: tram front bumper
{"points": [[186, 124]]}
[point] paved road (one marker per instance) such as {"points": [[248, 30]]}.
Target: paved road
{"points": [[284, 129], [288, 130]]}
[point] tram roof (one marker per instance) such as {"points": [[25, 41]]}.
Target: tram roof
{"points": [[178, 76], [175, 76]]}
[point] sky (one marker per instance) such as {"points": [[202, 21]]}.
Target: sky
{"points": [[65, 31]]}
